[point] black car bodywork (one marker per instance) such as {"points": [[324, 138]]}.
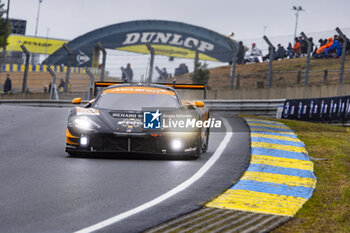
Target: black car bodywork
{"points": [[117, 127]]}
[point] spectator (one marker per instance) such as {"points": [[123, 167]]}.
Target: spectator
{"points": [[267, 57], [290, 51], [163, 74], [280, 53], [312, 43], [296, 47], [182, 69], [240, 54], [127, 73], [321, 51], [255, 54], [46, 88], [303, 46], [335, 46], [7, 84], [61, 85], [322, 42]]}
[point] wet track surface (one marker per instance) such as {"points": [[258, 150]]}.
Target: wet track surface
{"points": [[44, 190]]}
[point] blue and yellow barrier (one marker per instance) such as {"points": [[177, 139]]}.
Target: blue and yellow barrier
{"points": [[279, 179], [43, 68]]}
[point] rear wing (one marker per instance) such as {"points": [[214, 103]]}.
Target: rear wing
{"points": [[100, 85]]}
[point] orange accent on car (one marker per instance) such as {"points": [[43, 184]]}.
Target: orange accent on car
{"points": [[184, 86], [70, 142], [199, 104], [106, 84], [69, 135], [76, 101]]}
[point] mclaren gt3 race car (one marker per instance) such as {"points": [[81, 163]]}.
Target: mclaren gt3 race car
{"points": [[138, 118]]}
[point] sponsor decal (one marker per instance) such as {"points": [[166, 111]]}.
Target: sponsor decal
{"points": [[82, 58], [286, 110], [167, 38], [130, 122], [311, 108], [331, 108], [304, 109], [126, 115], [71, 146], [87, 111], [300, 108], [322, 108], [139, 90], [190, 149]]}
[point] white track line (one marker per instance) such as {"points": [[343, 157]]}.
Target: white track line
{"points": [[171, 192]]}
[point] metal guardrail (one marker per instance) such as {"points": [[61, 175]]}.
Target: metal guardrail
{"points": [[256, 107], [38, 103]]}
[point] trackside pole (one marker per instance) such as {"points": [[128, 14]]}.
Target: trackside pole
{"points": [[234, 61], [53, 90], [91, 86], [343, 54], [269, 72], [69, 64], [26, 68], [151, 63], [196, 56], [309, 46], [104, 55]]}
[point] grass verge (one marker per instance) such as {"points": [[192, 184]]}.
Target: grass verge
{"points": [[328, 210]]}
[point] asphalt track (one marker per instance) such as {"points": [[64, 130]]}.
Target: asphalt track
{"points": [[44, 190]]}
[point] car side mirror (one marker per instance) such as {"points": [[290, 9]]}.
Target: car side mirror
{"points": [[199, 104], [76, 100]]}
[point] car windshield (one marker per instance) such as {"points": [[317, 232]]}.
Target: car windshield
{"points": [[118, 101]]}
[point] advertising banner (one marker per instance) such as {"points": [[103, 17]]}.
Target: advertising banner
{"points": [[330, 109], [34, 44]]}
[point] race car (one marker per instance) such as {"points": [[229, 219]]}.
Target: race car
{"points": [[138, 118]]}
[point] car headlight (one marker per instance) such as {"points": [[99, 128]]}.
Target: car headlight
{"points": [[176, 144], [85, 124], [84, 141]]}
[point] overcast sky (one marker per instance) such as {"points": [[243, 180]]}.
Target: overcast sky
{"points": [[68, 19]]}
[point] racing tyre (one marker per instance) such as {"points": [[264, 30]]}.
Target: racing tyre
{"points": [[199, 150], [205, 146]]}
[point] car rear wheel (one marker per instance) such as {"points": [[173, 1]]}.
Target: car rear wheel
{"points": [[206, 141]]}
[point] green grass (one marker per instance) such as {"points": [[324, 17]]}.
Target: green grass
{"points": [[328, 210]]}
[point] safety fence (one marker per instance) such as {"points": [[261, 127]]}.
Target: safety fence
{"points": [[293, 78]]}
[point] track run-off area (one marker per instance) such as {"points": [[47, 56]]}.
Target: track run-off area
{"points": [[45, 190]]}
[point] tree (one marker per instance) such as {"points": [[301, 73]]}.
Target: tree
{"points": [[3, 23], [200, 74]]}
